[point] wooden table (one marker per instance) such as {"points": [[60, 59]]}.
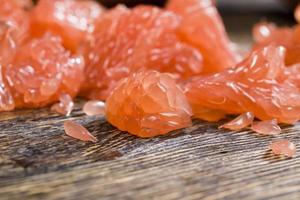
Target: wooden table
{"points": [[37, 160]]}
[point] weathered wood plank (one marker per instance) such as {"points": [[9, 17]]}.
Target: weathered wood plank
{"points": [[201, 161]]}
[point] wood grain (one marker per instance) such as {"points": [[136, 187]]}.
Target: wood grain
{"points": [[37, 161]]}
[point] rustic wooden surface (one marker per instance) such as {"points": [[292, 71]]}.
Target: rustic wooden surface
{"points": [[37, 161]]}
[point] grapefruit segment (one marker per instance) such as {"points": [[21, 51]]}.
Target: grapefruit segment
{"points": [[127, 40], [202, 27], [41, 70], [71, 20], [254, 85], [148, 104]]}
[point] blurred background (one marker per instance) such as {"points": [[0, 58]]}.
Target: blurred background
{"points": [[226, 5], [239, 16], [222, 2], [280, 10]]}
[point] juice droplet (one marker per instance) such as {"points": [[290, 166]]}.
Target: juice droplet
{"points": [[268, 127], [77, 131], [283, 147], [94, 107], [240, 122]]}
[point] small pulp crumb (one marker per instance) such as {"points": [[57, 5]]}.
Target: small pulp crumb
{"points": [[268, 127], [65, 106], [283, 147], [77, 131], [94, 107], [240, 122]]}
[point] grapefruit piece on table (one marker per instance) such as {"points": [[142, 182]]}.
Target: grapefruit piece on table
{"points": [[148, 104]]}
